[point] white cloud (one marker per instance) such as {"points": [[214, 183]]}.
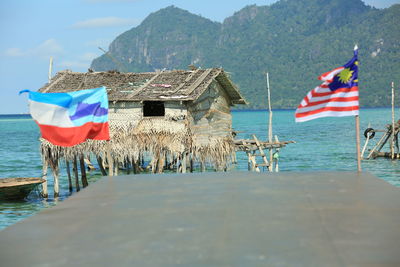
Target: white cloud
{"points": [[14, 52], [105, 22], [79, 63], [88, 56], [98, 43], [46, 49], [71, 64]]}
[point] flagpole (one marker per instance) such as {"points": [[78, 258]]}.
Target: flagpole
{"points": [[358, 132], [358, 143]]}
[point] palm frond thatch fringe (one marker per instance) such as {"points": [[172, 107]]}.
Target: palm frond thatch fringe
{"points": [[156, 137]]}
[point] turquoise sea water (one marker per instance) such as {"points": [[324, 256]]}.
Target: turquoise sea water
{"points": [[322, 144]]}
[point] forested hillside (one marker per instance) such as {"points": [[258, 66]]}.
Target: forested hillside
{"points": [[294, 40]]}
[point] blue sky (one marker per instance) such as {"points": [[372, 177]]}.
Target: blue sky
{"points": [[71, 31]]}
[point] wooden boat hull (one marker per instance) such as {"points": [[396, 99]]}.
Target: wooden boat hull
{"points": [[17, 188]]}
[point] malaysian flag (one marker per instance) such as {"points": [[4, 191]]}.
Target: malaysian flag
{"points": [[337, 96]]}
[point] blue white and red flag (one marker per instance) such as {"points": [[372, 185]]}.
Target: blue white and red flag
{"points": [[337, 96], [68, 119]]}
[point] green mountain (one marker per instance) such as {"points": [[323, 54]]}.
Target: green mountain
{"points": [[294, 40]]}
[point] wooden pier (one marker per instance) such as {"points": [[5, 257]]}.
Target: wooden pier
{"points": [[215, 219], [390, 136], [255, 148], [389, 139]]}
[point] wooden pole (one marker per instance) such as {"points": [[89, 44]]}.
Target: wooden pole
{"points": [[135, 166], [69, 175], [50, 68], [393, 125], [184, 162], [75, 169], [264, 157], [358, 143], [270, 167], [44, 177], [248, 161], [83, 171], [56, 174], [191, 164], [55, 170], [177, 164], [161, 163], [379, 145], [254, 162], [203, 165], [110, 162], [277, 159], [127, 166], [116, 167], [100, 163]]}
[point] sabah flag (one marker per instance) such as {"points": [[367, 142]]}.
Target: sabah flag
{"points": [[68, 119], [337, 96]]}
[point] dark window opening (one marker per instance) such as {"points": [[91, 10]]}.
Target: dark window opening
{"points": [[153, 108]]}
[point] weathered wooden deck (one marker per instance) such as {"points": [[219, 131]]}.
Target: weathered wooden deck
{"points": [[215, 219]]}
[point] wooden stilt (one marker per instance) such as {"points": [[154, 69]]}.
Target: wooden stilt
{"points": [[116, 167], [75, 169], [388, 134], [127, 166], [55, 170], [234, 158], [271, 165], [153, 164], [133, 166], [379, 145], [191, 164], [184, 162], [83, 171], [110, 162], [178, 165], [262, 154], [255, 166], [69, 175], [44, 177], [161, 161], [203, 166], [276, 158], [100, 163], [249, 161]]}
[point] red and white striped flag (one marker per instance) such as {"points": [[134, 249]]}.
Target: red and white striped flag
{"points": [[337, 96]]}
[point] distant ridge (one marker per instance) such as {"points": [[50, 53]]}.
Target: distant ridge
{"points": [[294, 40]]}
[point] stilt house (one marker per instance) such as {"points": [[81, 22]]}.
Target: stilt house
{"points": [[173, 118]]}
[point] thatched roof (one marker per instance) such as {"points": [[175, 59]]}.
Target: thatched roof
{"points": [[182, 85]]}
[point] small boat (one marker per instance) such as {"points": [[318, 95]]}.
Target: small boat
{"points": [[18, 188]]}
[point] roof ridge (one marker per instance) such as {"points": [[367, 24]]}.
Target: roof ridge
{"points": [[198, 81], [51, 84]]}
